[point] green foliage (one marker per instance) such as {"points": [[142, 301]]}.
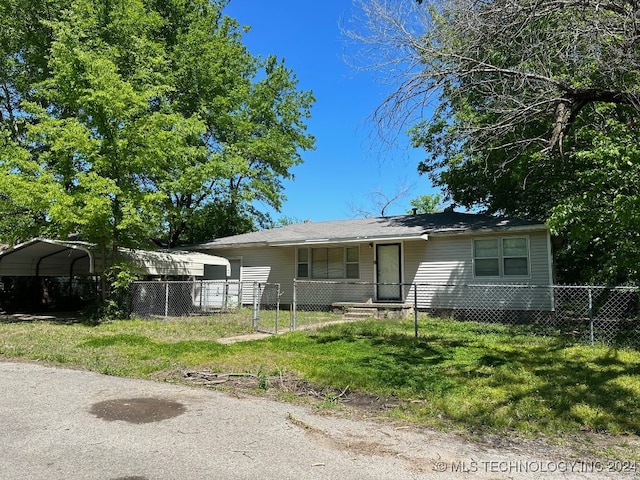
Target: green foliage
{"points": [[216, 220], [119, 278], [542, 125], [137, 119], [426, 204], [286, 220], [599, 211]]}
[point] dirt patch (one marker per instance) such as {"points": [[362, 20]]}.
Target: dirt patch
{"points": [[276, 386], [137, 410]]}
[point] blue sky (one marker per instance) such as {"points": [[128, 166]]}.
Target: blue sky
{"points": [[348, 164]]}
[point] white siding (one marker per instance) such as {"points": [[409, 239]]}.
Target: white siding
{"points": [[443, 266], [264, 265], [278, 265]]}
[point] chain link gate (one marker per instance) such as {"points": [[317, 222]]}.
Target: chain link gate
{"points": [[266, 307]]}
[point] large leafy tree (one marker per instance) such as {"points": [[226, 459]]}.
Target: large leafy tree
{"points": [[254, 119], [24, 40], [127, 120], [535, 113]]}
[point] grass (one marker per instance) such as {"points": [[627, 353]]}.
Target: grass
{"points": [[479, 378]]}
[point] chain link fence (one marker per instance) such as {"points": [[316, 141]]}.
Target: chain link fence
{"points": [[599, 314], [165, 299], [581, 314], [184, 298]]}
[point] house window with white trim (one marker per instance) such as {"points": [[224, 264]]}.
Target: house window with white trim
{"points": [[303, 263], [328, 262], [501, 257]]}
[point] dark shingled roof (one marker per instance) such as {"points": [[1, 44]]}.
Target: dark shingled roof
{"points": [[372, 229]]}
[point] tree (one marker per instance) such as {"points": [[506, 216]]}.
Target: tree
{"points": [[530, 100], [286, 220], [144, 118], [599, 213], [24, 41], [254, 119], [426, 204]]}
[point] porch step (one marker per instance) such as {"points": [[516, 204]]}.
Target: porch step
{"points": [[361, 311], [355, 313]]}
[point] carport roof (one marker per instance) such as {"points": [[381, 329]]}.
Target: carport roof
{"points": [[47, 257]]}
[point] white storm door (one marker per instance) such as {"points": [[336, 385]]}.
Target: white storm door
{"points": [[388, 272]]}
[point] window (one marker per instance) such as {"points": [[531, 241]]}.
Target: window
{"points": [[501, 257], [486, 258], [328, 262], [352, 263], [515, 256], [303, 263]]}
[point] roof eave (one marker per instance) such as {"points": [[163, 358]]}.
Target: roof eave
{"points": [[360, 239], [489, 230], [213, 245]]}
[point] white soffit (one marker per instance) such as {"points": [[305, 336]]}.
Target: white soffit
{"points": [[363, 239]]}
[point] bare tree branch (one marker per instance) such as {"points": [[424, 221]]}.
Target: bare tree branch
{"points": [[513, 62]]}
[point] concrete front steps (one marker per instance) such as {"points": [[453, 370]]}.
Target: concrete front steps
{"points": [[362, 311]]}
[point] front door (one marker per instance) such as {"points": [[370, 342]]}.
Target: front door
{"points": [[388, 272]]}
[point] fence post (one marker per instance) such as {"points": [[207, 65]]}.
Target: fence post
{"points": [[277, 307], [415, 309], [255, 304], [225, 301], [590, 316], [166, 300], [294, 317]]}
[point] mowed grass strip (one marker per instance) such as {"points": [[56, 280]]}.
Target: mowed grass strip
{"points": [[483, 378]]}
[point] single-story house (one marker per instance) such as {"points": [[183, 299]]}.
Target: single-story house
{"points": [[447, 250]]}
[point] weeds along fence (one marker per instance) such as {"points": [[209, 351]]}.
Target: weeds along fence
{"points": [[580, 314]]}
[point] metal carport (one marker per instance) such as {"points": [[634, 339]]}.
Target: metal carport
{"points": [[43, 257], [49, 261]]}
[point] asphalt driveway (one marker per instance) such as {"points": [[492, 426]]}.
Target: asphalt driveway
{"points": [[68, 424]]}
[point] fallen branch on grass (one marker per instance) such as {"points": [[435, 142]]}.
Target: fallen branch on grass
{"points": [[211, 377]]}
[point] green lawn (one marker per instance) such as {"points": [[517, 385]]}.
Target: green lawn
{"points": [[479, 378]]}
